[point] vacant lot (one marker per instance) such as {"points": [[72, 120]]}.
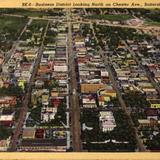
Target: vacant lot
{"points": [[11, 24], [10, 28]]}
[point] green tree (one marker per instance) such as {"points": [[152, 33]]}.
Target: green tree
{"points": [[4, 132]]}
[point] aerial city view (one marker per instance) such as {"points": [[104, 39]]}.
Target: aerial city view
{"points": [[80, 80]]}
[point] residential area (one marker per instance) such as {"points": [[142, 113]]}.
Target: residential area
{"points": [[79, 80], [98, 101]]}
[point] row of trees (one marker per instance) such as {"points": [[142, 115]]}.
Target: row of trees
{"points": [[136, 100], [11, 91], [152, 14], [113, 35], [4, 132]]}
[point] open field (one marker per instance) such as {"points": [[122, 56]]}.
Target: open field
{"points": [[151, 22], [11, 24], [32, 12], [10, 28], [111, 17]]}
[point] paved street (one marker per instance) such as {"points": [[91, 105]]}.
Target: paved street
{"points": [[75, 109], [146, 71], [15, 44], [26, 101], [119, 95], [122, 102], [71, 59]]}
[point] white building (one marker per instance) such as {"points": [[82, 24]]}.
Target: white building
{"points": [[48, 114], [107, 121], [63, 68]]}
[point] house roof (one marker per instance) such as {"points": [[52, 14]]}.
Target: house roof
{"points": [[28, 132], [6, 117], [151, 112]]}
